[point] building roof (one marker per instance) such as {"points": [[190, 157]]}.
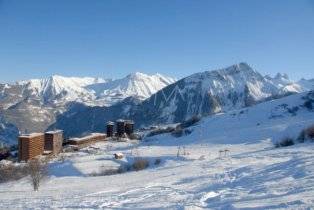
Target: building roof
{"points": [[125, 121], [87, 137], [31, 135], [54, 132], [129, 121]]}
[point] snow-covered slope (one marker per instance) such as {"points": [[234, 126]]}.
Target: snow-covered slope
{"points": [[274, 120], [137, 85]]}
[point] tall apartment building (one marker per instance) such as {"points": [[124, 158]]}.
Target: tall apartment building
{"points": [[129, 127], [53, 141], [30, 146], [120, 127], [110, 129]]}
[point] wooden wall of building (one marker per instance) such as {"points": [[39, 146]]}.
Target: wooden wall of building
{"points": [[95, 137], [110, 129], [31, 146], [53, 141]]}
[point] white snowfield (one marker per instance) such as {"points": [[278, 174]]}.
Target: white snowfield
{"points": [[227, 162]]}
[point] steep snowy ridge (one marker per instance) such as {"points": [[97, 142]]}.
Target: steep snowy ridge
{"points": [[215, 91], [58, 89], [136, 85], [241, 76], [233, 79], [94, 91], [283, 82]]}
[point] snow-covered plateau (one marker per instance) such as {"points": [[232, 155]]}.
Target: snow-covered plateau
{"points": [[225, 161]]}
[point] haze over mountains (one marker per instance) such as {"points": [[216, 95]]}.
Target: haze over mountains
{"points": [[82, 105]]}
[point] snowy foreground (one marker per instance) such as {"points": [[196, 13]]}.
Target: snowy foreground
{"points": [[252, 175]]}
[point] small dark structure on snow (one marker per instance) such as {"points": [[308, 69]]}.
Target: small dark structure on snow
{"points": [[110, 129], [129, 127], [53, 141], [118, 155], [120, 128], [4, 153]]}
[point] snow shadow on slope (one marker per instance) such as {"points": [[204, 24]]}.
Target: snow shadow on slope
{"points": [[66, 168], [271, 182]]}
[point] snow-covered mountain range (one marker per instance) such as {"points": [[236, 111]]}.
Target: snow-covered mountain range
{"points": [[55, 102], [200, 94], [59, 90], [215, 91], [137, 85], [32, 105]]}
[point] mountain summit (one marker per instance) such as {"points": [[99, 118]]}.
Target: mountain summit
{"points": [[211, 92], [59, 90], [137, 85]]}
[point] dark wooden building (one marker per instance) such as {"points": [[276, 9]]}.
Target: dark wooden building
{"points": [[120, 128], [4, 153], [53, 141], [87, 140], [30, 146], [110, 129], [129, 127]]}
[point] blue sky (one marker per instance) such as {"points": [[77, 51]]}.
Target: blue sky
{"points": [[111, 38]]}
